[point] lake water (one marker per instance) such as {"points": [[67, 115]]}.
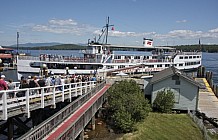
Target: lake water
{"points": [[210, 62]]}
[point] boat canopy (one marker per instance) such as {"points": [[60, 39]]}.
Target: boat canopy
{"points": [[139, 47]]}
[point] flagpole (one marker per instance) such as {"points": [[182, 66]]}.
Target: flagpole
{"points": [[17, 41]]}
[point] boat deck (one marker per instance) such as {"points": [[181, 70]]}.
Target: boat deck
{"points": [[208, 102]]}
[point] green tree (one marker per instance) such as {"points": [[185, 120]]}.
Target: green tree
{"points": [[164, 101], [127, 105]]}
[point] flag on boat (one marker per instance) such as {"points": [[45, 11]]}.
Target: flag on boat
{"points": [[148, 42], [112, 28]]}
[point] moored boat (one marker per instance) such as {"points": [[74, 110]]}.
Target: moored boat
{"points": [[106, 58]]}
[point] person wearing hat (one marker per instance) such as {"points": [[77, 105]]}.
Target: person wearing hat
{"points": [[3, 84]]}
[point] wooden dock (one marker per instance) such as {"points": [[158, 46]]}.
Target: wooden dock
{"points": [[207, 102]]}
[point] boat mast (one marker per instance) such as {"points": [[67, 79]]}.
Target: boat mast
{"points": [[107, 25], [105, 31]]}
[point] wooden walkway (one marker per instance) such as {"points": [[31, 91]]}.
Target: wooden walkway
{"points": [[68, 123], [208, 102]]}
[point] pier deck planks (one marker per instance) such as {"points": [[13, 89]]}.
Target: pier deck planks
{"points": [[208, 102]]}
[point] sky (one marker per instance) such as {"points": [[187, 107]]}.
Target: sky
{"points": [[167, 22]]}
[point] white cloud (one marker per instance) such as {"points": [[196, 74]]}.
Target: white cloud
{"points": [[186, 34], [214, 30], [70, 26], [123, 34], [63, 22], [181, 21], [60, 26]]}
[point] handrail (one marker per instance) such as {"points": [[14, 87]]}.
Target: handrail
{"points": [[32, 95], [52, 122]]}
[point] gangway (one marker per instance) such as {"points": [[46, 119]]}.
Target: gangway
{"points": [[70, 121]]}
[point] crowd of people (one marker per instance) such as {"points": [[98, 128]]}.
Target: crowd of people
{"points": [[41, 81]]}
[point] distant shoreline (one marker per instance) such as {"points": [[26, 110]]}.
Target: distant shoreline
{"points": [[203, 48]]}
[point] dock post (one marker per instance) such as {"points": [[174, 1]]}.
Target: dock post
{"points": [[81, 135], [203, 71], [10, 128], [93, 123], [216, 90], [70, 96]]}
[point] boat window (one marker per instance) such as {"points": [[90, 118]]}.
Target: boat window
{"points": [[117, 57], [194, 56], [136, 57], [121, 66], [190, 57], [192, 63], [159, 65], [154, 57], [109, 67], [167, 65], [127, 57], [150, 66], [181, 57], [145, 57], [186, 57], [180, 65]]}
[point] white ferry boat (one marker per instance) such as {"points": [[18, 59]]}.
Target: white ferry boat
{"points": [[107, 58]]}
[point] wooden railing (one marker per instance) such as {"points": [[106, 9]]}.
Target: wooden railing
{"points": [[40, 97], [46, 127]]}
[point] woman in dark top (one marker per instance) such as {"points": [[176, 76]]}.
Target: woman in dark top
{"points": [[23, 85]]}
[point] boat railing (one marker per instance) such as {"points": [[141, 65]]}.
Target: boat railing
{"points": [[28, 58], [59, 59], [188, 53], [157, 60], [142, 61]]}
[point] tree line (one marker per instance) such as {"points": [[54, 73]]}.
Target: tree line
{"points": [[202, 48]]}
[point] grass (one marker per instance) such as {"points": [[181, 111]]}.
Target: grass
{"points": [[166, 127], [213, 136]]}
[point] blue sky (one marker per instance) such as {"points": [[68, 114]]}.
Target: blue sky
{"points": [[168, 22]]}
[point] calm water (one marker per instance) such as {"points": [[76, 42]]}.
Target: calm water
{"points": [[210, 61]]}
